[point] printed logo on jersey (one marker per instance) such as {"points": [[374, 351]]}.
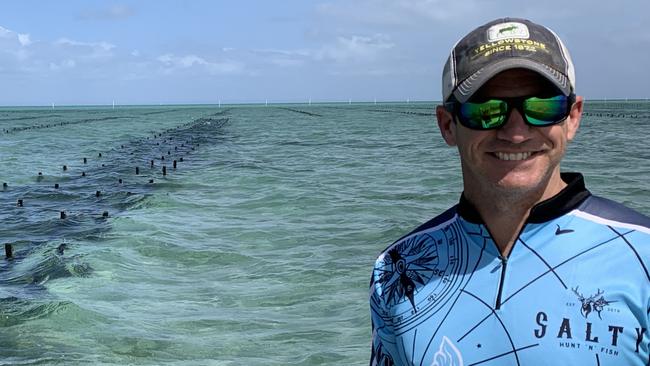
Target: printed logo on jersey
{"points": [[407, 266], [560, 231], [447, 355], [586, 332], [592, 303], [436, 261]]}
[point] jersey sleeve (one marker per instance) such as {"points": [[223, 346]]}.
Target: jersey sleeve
{"points": [[379, 354], [382, 335]]}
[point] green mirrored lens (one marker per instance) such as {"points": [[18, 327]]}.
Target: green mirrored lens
{"points": [[486, 115], [545, 111]]}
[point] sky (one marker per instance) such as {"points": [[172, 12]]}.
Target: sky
{"points": [[86, 52]]}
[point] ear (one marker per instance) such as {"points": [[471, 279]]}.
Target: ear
{"points": [[573, 122], [447, 125]]}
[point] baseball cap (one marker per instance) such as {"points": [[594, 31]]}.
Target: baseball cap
{"points": [[504, 44]]}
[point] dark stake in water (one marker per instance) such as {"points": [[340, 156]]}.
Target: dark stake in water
{"points": [[35, 236]]}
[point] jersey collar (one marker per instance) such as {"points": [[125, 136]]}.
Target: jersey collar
{"points": [[563, 202]]}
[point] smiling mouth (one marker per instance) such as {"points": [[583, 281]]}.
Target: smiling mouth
{"points": [[514, 156]]}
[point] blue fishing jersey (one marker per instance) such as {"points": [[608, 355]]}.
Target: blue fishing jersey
{"points": [[574, 290]]}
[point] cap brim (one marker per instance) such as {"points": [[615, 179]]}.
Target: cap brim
{"points": [[472, 84]]}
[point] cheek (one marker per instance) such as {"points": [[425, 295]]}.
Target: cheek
{"points": [[469, 145], [555, 136], [560, 136]]}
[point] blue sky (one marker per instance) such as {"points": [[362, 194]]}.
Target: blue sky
{"points": [[150, 52]]}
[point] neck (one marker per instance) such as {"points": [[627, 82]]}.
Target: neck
{"points": [[505, 211], [504, 222]]}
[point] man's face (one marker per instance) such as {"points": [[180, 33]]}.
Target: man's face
{"points": [[516, 158]]}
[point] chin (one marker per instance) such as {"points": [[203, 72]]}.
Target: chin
{"points": [[522, 182]]}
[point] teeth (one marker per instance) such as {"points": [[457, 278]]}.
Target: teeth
{"points": [[513, 156]]}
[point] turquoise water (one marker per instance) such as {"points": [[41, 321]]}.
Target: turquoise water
{"points": [[257, 249]]}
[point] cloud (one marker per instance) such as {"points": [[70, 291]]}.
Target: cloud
{"points": [[22, 38], [344, 49], [101, 46], [282, 58], [355, 48], [40, 59], [85, 49], [172, 63], [14, 44], [115, 12], [99, 59], [5, 33]]}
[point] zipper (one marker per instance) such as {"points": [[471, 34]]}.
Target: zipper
{"points": [[504, 261], [504, 265]]}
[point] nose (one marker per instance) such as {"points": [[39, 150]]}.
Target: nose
{"points": [[515, 130]]}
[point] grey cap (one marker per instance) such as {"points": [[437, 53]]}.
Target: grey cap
{"points": [[504, 44]]}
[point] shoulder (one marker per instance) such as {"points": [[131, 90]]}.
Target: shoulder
{"points": [[612, 213], [418, 246], [629, 232], [435, 223]]}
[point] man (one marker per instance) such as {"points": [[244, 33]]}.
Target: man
{"points": [[528, 268]]}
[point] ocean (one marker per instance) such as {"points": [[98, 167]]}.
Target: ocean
{"points": [[256, 248]]}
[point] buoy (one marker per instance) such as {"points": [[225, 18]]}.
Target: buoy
{"points": [[8, 251], [63, 215], [19, 203]]}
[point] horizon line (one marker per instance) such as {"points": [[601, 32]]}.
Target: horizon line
{"points": [[263, 103]]}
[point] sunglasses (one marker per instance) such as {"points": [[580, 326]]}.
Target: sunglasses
{"points": [[494, 113]]}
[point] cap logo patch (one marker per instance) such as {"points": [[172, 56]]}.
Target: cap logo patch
{"points": [[507, 30]]}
